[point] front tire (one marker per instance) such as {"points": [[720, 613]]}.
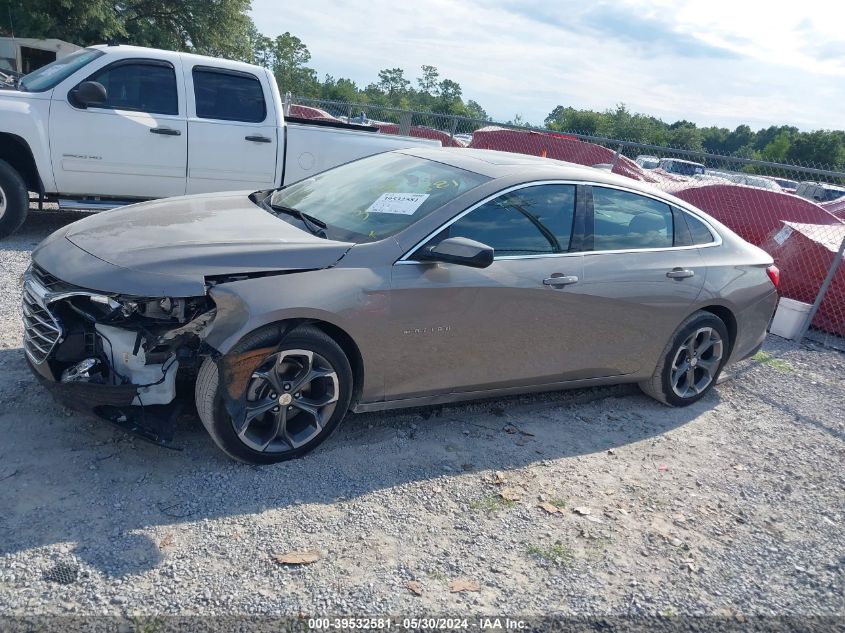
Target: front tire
{"points": [[295, 399], [691, 362], [14, 199]]}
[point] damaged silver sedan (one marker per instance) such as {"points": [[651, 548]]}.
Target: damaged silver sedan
{"points": [[410, 278]]}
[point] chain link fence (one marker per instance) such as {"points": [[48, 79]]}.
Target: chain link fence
{"points": [[796, 213]]}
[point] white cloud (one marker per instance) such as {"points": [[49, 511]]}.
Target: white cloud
{"points": [[721, 62]]}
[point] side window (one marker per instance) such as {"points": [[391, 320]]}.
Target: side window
{"points": [[683, 237], [140, 87], [625, 220], [228, 96], [700, 233], [530, 221]]}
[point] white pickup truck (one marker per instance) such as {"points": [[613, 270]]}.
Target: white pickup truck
{"points": [[110, 125]]}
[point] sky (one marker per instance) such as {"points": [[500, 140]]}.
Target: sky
{"points": [[713, 62]]}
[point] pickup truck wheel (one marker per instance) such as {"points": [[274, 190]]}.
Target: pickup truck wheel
{"points": [[14, 199], [296, 397]]}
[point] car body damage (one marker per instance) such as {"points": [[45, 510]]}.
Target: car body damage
{"points": [[236, 369], [115, 354], [121, 351]]}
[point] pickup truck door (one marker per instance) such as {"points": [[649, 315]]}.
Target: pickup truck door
{"points": [[232, 132], [133, 145]]}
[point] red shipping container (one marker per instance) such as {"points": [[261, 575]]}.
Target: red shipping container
{"points": [[804, 253]]}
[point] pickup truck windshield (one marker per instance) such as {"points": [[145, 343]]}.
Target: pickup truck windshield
{"points": [[52, 74], [375, 197]]}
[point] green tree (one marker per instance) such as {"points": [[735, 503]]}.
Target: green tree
{"points": [[211, 27], [567, 119], [777, 150], [392, 82], [450, 90], [764, 137], [429, 82], [633, 127], [714, 139], [340, 90], [686, 135], [287, 57], [475, 111], [741, 137], [821, 147]]}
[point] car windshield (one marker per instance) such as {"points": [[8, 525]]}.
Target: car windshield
{"points": [[52, 74], [375, 197]]}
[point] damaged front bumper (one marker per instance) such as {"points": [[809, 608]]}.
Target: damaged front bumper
{"points": [[117, 357]]}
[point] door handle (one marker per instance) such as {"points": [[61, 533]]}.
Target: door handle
{"points": [[258, 139], [560, 280], [166, 131], [680, 273]]}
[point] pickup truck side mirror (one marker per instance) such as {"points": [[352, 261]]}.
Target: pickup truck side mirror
{"points": [[90, 93], [458, 250]]}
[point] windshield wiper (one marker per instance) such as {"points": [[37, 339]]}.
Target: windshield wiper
{"points": [[314, 225]]}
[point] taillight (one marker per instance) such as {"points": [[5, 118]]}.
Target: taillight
{"points": [[774, 274]]}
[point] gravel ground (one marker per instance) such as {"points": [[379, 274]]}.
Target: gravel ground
{"points": [[734, 505]]}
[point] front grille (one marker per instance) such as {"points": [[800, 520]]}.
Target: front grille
{"points": [[48, 280], [41, 330]]}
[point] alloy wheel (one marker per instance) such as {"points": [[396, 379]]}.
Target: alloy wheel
{"points": [[289, 399], [696, 362]]}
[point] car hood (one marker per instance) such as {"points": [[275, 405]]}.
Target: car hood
{"points": [[187, 240]]}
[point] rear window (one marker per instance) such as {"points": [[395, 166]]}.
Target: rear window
{"points": [[699, 231], [228, 95]]}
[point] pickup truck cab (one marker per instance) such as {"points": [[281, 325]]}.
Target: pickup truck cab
{"points": [[110, 125]]}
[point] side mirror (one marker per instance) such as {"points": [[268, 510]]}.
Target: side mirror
{"points": [[90, 93], [458, 250]]}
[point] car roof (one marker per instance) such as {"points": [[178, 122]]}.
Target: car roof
{"points": [[496, 164], [825, 185], [681, 160], [127, 50]]}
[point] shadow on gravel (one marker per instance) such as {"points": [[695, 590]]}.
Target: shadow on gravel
{"points": [[65, 478], [784, 404], [38, 225], [799, 417]]}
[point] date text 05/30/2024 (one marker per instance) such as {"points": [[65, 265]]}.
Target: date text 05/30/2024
{"points": [[411, 624]]}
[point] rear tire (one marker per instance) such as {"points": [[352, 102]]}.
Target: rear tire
{"points": [[14, 199], [690, 365], [282, 430]]}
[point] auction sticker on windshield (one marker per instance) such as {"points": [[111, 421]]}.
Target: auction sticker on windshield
{"points": [[398, 203]]}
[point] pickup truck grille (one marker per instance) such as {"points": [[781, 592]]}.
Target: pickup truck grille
{"points": [[41, 329]]}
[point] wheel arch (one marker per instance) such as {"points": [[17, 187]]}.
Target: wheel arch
{"points": [[729, 319], [16, 151], [338, 335], [353, 353]]}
